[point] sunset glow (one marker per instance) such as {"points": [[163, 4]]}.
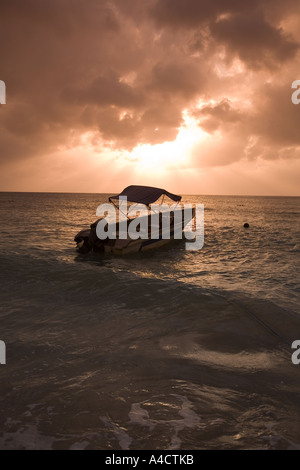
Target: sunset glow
{"points": [[169, 155], [192, 95]]}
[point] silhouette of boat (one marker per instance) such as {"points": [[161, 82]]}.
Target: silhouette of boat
{"points": [[158, 226]]}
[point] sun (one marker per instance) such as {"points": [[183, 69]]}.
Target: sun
{"points": [[169, 155]]}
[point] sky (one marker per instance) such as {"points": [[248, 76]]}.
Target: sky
{"points": [[188, 95]]}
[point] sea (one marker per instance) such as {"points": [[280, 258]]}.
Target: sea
{"points": [[164, 350]]}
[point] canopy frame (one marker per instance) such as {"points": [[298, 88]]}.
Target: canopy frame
{"points": [[144, 194]]}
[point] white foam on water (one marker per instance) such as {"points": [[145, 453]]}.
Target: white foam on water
{"points": [[140, 416], [123, 438], [189, 419]]}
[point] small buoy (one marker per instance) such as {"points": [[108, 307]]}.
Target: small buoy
{"points": [[246, 225]]}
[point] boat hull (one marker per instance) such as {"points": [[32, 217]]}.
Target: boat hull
{"points": [[87, 240]]}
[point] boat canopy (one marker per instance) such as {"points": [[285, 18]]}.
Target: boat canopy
{"points": [[144, 194]]}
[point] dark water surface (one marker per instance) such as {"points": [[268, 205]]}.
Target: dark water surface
{"points": [[161, 350]]}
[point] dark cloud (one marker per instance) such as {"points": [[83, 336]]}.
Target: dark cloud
{"points": [[89, 66], [177, 79], [242, 27], [214, 116], [194, 13], [254, 40], [275, 118], [268, 129], [105, 90], [125, 70], [227, 136]]}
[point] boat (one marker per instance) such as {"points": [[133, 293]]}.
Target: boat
{"points": [[157, 225]]}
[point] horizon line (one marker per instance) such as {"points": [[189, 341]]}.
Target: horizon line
{"points": [[182, 194]]}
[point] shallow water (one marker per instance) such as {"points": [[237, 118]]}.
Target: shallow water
{"points": [[161, 350]]}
